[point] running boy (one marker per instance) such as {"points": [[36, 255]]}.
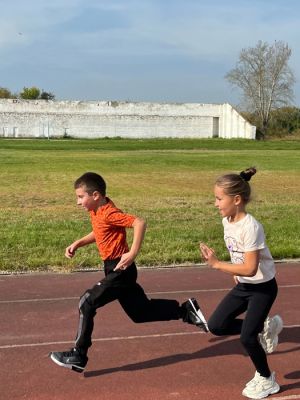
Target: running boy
{"points": [[256, 288], [109, 232]]}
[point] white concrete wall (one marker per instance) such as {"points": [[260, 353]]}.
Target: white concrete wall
{"points": [[233, 125], [30, 118]]}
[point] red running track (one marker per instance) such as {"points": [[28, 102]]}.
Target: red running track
{"points": [[152, 361]]}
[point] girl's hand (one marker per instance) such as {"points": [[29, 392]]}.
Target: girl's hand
{"points": [[204, 251], [208, 255]]}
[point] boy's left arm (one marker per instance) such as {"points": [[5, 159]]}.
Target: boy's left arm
{"points": [[139, 228]]}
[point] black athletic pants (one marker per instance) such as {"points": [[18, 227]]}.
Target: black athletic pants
{"points": [[121, 286], [256, 300]]}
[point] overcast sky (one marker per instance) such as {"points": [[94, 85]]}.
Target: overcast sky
{"points": [[139, 50]]}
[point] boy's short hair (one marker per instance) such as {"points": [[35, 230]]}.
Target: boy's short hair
{"points": [[92, 183]]}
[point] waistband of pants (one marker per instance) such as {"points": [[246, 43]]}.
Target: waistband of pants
{"points": [[111, 263], [263, 285]]}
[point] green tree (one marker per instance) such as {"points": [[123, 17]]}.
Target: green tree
{"points": [[47, 96], [265, 78], [5, 93], [31, 93], [285, 121]]}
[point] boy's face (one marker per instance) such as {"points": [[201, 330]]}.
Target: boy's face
{"points": [[89, 202]]}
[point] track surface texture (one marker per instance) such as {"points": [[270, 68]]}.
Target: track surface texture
{"points": [[151, 361]]}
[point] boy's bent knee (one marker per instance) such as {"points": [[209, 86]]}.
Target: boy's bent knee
{"points": [[84, 305], [138, 318]]}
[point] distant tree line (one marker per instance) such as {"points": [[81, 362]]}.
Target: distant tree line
{"points": [[28, 93], [283, 122]]}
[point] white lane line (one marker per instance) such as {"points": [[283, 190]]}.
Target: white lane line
{"points": [[149, 293], [293, 396], [38, 300], [107, 339], [114, 338]]}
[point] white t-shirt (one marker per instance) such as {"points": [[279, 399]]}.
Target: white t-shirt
{"points": [[248, 235]]}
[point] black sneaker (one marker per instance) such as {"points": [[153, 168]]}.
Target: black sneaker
{"points": [[193, 315], [71, 359]]}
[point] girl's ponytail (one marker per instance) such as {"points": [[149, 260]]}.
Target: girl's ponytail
{"points": [[247, 174]]}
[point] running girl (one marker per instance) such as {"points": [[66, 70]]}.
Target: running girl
{"points": [[254, 274]]}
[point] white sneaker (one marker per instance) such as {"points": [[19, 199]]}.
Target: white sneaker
{"points": [[262, 388], [269, 336], [251, 384]]}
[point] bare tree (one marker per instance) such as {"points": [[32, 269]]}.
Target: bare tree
{"points": [[266, 80]]}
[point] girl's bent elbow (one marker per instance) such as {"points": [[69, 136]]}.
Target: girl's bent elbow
{"points": [[252, 273]]}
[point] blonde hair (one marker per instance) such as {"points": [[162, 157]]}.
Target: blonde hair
{"points": [[237, 184]]}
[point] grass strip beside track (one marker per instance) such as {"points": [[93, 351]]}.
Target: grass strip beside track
{"points": [[167, 181]]}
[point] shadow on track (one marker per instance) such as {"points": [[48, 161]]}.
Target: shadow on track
{"points": [[220, 347]]}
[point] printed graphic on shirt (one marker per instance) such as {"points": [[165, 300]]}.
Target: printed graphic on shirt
{"points": [[237, 256]]}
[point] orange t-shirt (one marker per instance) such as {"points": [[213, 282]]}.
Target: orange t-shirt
{"points": [[109, 224]]}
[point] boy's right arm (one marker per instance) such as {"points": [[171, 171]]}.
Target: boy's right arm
{"points": [[139, 228], [85, 240]]}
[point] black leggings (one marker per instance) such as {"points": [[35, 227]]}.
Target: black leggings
{"points": [[121, 286], [256, 300]]}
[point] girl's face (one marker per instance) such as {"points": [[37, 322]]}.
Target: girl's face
{"points": [[229, 206]]}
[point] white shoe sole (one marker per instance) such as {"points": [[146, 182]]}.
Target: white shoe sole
{"points": [[261, 395], [269, 343], [69, 366]]}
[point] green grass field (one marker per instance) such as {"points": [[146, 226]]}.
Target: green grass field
{"points": [[169, 182]]}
